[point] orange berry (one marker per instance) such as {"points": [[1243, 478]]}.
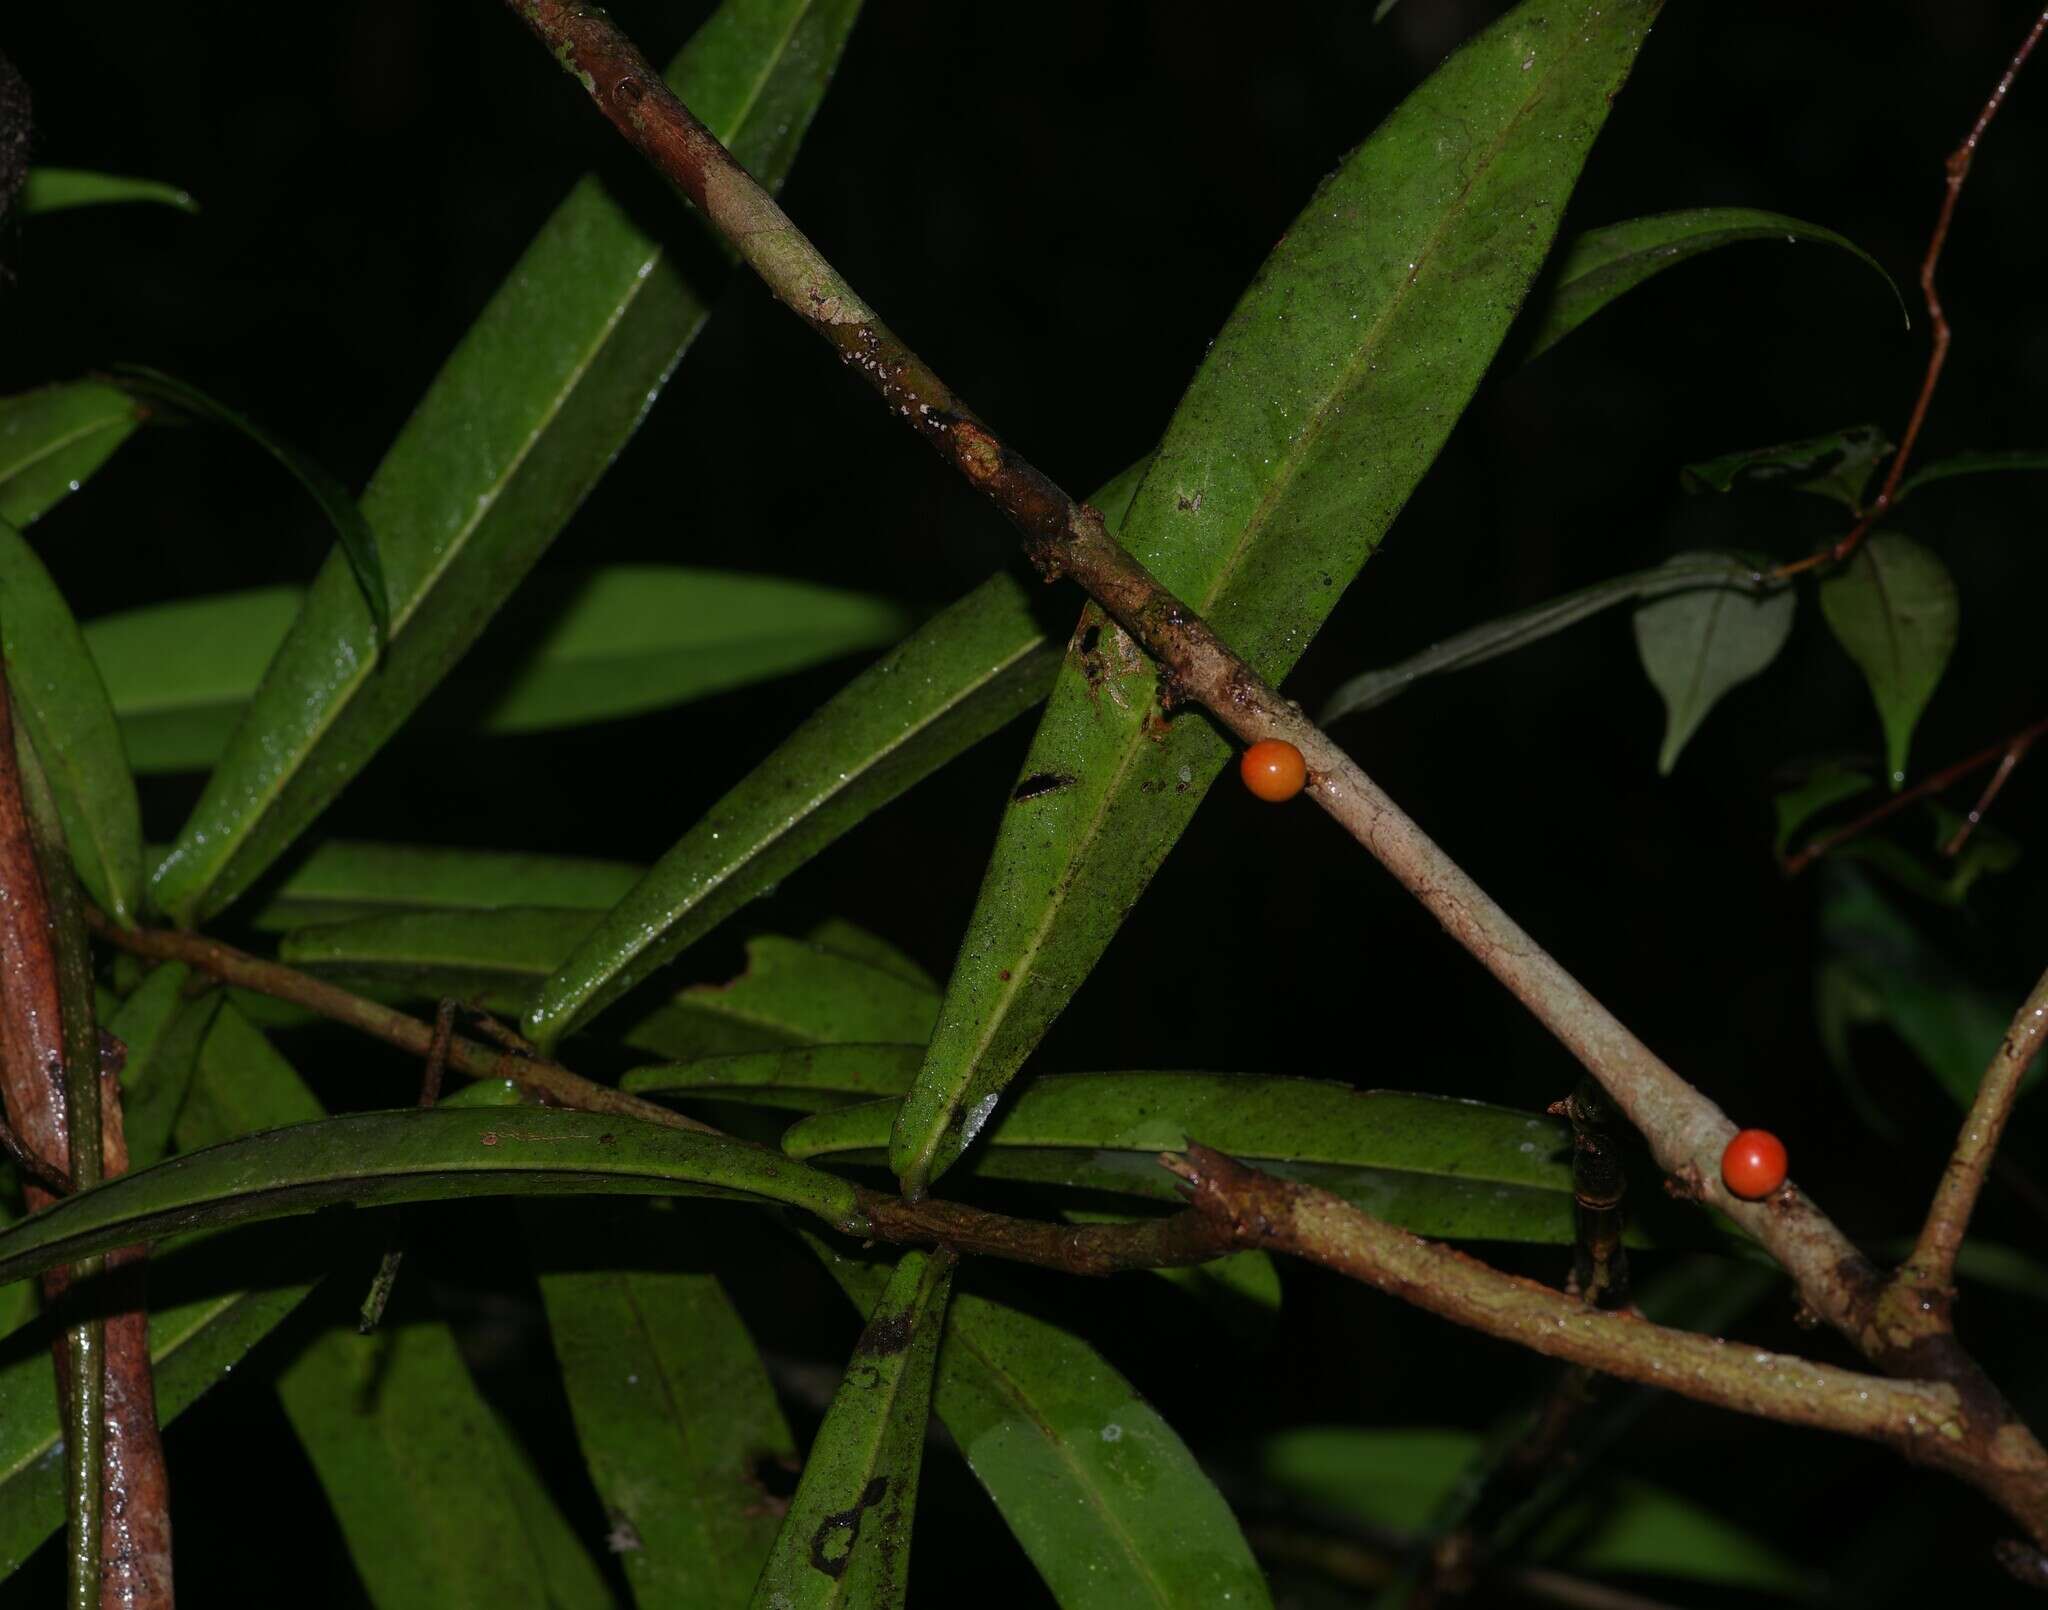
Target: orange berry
{"points": [[1753, 1166], [1274, 770]]}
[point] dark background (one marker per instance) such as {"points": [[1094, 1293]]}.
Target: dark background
{"points": [[1057, 204]]}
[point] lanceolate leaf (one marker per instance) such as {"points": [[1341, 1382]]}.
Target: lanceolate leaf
{"points": [[673, 1408], [352, 533], [342, 879], [192, 1345], [64, 706], [1950, 1022], [441, 1508], [846, 1538], [1101, 1492], [53, 439], [1698, 644], [811, 1078], [962, 675], [630, 638], [637, 637], [56, 189], [1395, 1480], [1453, 1169], [180, 675], [793, 992], [545, 388], [163, 1033], [1603, 264], [1510, 632], [1893, 607], [1316, 411], [412, 1156], [437, 1502], [1943, 469]]}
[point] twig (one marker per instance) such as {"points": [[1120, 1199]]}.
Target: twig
{"points": [[1958, 169], [437, 1054], [378, 1297], [1934, 1422], [2013, 746], [2014, 754], [1931, 1268], [380, 1022], [1686, 1131]]}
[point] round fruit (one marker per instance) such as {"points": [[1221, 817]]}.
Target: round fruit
{"points": [[1753, 1166], [1274, 770]]}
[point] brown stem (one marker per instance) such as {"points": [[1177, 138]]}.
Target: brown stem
{"points": [[380, 1022], [2017, 744], [1957, 169], [1931, 1268], [1948, 1425], [1686, 1131], [2006, 766]]}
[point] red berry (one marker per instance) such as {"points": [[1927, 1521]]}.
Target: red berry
{"points": [[1753, 1166], [1274, 770]]}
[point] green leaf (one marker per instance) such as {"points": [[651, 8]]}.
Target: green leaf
{"points": [[846, 1538], [341, 879], [1635, 1528], [1698, 644], [1431, 1164], [1893, 607], [192, 1345], [812, 1078], [1317, 409], [1826, 784], [545, 389], [64, 706], [58, 189], [630, 638], [1105, 1498], [433, 1495], [2000, 463], [163, 1032], [412, 1156], [1603, 264], [1937, 876], [1838, 466], [793, 992], [1951, 1023], [440, 1506], [352, 532], [1482, 643], [1395, 1480], [179, 675], [639, 637], [964, 674], [52, 440], [673, 1407]]}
